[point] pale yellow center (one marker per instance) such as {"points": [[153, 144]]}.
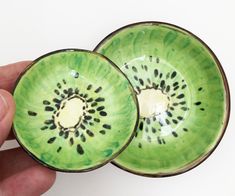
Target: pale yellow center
{"points": [[70, 113], [152, 102]]}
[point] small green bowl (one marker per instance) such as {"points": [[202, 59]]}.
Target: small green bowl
{"points": [[71, 110], [182, 92]]}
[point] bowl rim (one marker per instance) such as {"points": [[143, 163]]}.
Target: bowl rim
{"points": [[227, 100], [124, 146]]}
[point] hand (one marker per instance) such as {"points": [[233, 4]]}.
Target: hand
{"points": [[20, 175]]}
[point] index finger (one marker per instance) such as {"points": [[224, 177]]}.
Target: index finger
{"points": [[9, 74]]}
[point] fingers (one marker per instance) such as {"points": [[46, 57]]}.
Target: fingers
{"points": [[33, 181], [13, 161], [10, 73], [7, 110]]}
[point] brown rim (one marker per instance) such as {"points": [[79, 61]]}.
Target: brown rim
{"points": [[198, 161], [114, 155]]}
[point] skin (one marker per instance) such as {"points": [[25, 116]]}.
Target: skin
{"points": [[19, 174]]}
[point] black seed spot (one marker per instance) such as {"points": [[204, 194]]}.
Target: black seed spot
{"points": [[100, 108], [83, 138], [57, 92], [169, 113], [159, 140], [173, 95], [64, 81], [163, 141], [49, 108], [141, 125], [155, 72], [150, 58], [76, 91], [106, 126], [65, 91], [62, 95], [30, 113], [102, 132], [155, 86], [175, 88], [91, 111], [61, 133], [89, 87], [90, 123], [51, 140], [96, 120], [136, 78], [52, 127], [140, 145], [162, 84], [175, 83], [171, 108], [157, 60], [59, 149], [149, 139], [87, 117], [148, 121], [99, 99], [184, 108], [175, 104], [103, 113], [89, 100], [94, 104], [148, 80], [180, 118], [174, 121], [82, 126], [141, 81], [66, 135], [160, 123], [199, 89], [182, 102], [58, 85], [180, 96], [174, 134], [160, 75], [154, 118], [198, 103], [44, 128], [80, 149], [134, 69], [167, 88], [85, 96], [145, 67], [47, 122], [138, 89], [76, 75], [185, 129], [76, 133], [71, 141], [202, 109], [173, 74], [184, 86], [98, 89], [154, 130], [45, 102], [167, 121], [70, 91], [90, 133], [56, 100]]}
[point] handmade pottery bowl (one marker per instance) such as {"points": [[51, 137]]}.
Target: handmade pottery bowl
{"points": [[72, 108], [182, 93]]}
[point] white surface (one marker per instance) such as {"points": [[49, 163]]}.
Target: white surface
{"points": [[29, 29]]}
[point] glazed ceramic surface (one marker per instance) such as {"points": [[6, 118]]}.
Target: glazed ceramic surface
{"points": [[182, 93], [72, 108]]}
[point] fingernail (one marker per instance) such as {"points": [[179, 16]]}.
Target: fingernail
{"points": [[3, 106]]}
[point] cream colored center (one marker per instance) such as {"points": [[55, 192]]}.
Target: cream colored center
{"points": [[70, 113], [152, 102]]}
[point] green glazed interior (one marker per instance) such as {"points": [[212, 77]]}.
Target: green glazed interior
{"points": [[49, 85], [169, 59]]}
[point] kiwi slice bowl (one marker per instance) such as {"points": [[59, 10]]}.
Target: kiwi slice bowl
{"points": [[182, 93], [72, 108]]}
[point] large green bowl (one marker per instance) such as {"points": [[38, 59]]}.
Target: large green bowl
{"points": [[182, 92]]}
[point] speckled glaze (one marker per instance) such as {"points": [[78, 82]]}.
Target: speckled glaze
{"points": [[190, 113], [71, 110]]}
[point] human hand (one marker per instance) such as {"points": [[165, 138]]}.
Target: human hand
{"points": [[19, 174]]}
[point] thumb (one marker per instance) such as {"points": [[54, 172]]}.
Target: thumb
{"points": [[7, 110]]}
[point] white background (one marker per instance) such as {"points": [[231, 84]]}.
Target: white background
{"points": [[30, 28]]}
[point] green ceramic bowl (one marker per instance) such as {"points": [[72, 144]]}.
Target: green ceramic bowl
{"points": [[71, 110], [182, 92]]}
